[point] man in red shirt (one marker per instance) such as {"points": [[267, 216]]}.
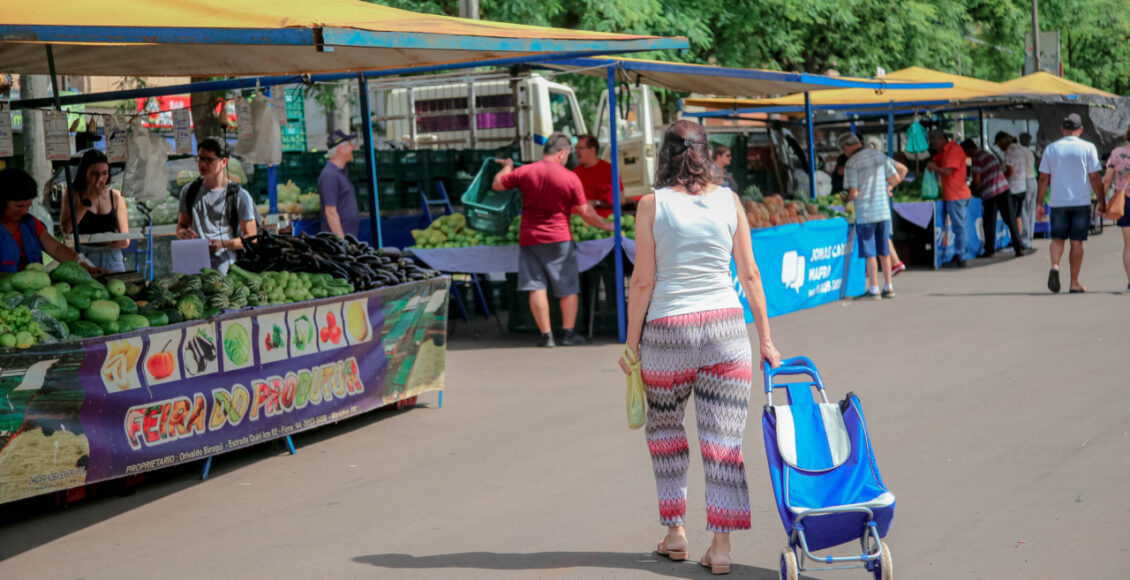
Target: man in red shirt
{"points": [[547, 255], [949, 164], [596, 175]]}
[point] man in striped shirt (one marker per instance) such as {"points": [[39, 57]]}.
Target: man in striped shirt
{"points": [[990, 181], [869, 177]]}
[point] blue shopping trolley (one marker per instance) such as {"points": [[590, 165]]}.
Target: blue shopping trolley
{"points": [[825, 480]]}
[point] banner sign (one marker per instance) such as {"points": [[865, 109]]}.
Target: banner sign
{"points": [[804, 265], [56, 135], [101, 409], [182, 131], [974, 234], [117, 146]]}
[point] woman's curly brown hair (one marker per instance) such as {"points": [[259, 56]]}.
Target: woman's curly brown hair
{"points": [[685, 159]]}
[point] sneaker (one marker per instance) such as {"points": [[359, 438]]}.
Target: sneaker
{"points": [[899, 267], [546, 340], [888, 293], [869, 295], [571, 338], [1053, 280]]}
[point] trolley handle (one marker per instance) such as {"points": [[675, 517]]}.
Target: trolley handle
{"points": [[796, 366]]}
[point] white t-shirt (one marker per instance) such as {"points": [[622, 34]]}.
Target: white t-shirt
{"points": [[1015, 158], [1070, 161]]}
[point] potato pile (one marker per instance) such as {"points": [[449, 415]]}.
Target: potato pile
{"points": [[775, 211]]}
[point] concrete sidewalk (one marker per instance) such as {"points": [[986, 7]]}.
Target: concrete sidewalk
{"points": [[997, 412]]}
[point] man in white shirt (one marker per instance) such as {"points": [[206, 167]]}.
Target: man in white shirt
{"points": [[1071, 168], [1028, 212], [1015, 167]]}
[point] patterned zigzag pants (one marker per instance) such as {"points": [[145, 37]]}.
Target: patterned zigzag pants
{"points": [[707, 353]]}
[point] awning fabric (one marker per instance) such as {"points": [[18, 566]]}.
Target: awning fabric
{"points": [[962, 89], [707, 79], [1042, 83], [269, 37]]}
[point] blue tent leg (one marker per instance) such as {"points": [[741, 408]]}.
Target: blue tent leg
{"points": [[441, 399], [370, 163], [207, 468], [618, 244], [290, 445], [811, 146]]}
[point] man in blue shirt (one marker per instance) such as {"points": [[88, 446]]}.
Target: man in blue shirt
{"points": [[339, 199], [1070, 169]]}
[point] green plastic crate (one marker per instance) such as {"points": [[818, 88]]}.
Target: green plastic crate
{"points": [[489, 211]]}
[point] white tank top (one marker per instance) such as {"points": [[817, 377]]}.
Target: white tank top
{"points": [[694, 242]]}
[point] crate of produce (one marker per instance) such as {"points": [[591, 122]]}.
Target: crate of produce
{"points": [[489, 211]]}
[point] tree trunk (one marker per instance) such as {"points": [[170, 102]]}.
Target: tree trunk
{"points": [[339, 116], [35, 149], [206, 123]]}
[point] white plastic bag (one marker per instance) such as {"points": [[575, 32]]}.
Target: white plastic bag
{"points": [[146, 176], [265, 144]]}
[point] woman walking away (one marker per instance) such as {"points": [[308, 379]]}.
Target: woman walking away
{"points": [[686, 325], [1118, 174]]}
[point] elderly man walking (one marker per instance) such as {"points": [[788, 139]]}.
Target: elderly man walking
{"points": [[869, 176], [1070, 169], [949, 163]]}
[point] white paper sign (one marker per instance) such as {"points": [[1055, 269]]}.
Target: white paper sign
{"points": [[6, 147], [57, 135], [117, 151], [278, 105], [243, 118], [182, 131]]}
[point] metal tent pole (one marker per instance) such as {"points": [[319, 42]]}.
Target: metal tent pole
{"points": [[617, 235], [67, 164], [811, 145], [370, 162], [891, 130]]}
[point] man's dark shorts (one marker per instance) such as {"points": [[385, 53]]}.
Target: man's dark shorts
{"points": [[1071, 223], [544, 264]]}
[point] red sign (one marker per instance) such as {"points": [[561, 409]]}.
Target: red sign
{"points": [[160, 109]]}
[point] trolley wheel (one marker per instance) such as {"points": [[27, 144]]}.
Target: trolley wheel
{"points": [[788, 565], [883, 569]]}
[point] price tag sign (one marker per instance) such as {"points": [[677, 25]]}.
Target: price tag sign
{"points": [[243, 119], [182, 131], [278, 105], [116, 149], [6, 147], [57, 135]]}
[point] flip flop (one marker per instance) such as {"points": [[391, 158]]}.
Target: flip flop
{"points": [[714, 568], [1053, 281], [1077, 291], [674, 555]]}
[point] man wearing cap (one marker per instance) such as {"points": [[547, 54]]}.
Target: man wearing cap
{"points": [[949, 164], [869, 176], [339, 199], [1070, 169]]}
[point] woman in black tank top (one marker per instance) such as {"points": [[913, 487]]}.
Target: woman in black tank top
{"points": [[99, 210]]}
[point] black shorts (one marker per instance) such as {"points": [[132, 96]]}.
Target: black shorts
{"points": [[1071, 223], [544, 264]]}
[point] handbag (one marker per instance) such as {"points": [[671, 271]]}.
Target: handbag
{"points": [[637, 407], [1116, 205]]}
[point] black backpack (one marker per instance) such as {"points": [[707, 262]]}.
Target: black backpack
{"points": [[231, 204]]}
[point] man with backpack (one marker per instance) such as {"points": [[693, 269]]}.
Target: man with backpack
{"points": [[215, 208]]}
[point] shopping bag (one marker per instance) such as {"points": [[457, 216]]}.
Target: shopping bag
{"points": [[1116, 205], [929, 185], [637, 407]]}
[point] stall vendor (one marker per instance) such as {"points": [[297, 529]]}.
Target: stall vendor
{"points": [[99, 209], [596, 176], [24, 239]]}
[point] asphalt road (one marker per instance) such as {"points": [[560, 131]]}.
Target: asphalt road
{"points": [[997, 412]]}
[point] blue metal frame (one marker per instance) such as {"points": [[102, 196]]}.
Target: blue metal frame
{"points": [[617, 235], [327, 37], [811, 145], [798, 109], [370, 162]]}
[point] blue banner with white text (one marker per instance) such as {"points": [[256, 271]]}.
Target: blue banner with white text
{"points": [[974, 234]]}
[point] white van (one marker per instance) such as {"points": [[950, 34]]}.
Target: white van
{"points": [[479, 111]]}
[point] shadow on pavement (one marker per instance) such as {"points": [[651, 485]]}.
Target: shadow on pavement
{"points": [[558, 560], [968, 294]]}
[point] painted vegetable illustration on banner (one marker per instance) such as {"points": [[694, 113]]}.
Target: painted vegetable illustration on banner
{"points": [[161, 364], [331, 332], [303, 332], [274, 338], [237, 344], [202, 348], [121, 360], [357, 322]]}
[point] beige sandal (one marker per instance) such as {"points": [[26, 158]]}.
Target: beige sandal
{"points": [[714, 568], [674, 555]]}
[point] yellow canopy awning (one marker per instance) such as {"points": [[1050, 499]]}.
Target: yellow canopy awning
{"points": [[269, 37], [1042, 83], [964, 89]]}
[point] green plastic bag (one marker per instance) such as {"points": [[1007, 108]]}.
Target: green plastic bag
{"points": [[929, 185], [637, 407]]}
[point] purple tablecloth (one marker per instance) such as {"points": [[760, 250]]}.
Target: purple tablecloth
{"points": [[918, 213], [486, 259]]}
